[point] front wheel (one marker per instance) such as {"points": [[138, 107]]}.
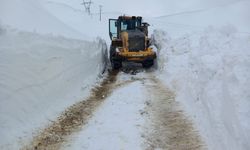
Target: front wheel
{"points": [[148, 63], [116, 64]]}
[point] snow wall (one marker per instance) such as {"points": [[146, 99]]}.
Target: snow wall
{"points": [[40, 76], [210, 73]]}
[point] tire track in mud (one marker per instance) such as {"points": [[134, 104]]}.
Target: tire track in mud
{"points": [[169, 128], [72, 119]]}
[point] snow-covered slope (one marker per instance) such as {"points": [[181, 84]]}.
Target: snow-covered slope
{"points": [[30, 16], [196, 18], [73, 14]]}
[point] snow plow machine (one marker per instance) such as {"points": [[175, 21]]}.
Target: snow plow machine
{"points": [[130, 42]]}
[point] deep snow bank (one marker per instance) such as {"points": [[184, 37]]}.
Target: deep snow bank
{"points": [[39, 77], [210, 73]]}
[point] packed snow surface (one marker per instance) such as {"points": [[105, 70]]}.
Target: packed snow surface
{"points": [[117, 124]]}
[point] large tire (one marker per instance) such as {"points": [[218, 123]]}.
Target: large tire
{"points": [[148, 63], [111, 53], [115, 62]]}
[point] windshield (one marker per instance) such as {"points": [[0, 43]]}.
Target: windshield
{"points": [[129, 24]]}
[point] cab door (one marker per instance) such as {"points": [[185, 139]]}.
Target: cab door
{"points": [[113, 28]]}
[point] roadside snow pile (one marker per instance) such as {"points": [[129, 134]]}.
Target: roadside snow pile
{"points": [[41, 75], [210, 73]]}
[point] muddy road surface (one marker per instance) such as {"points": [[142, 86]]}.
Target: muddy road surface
{"points": [[130, 109], [73, 118], [168, 127]]}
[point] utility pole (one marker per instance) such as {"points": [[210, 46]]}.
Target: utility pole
{"points": [[100, 7], [87, 5]]}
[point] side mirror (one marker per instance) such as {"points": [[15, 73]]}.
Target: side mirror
{"points": [[116, 24]]}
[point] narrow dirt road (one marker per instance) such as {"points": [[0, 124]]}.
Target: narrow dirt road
{"points": [[128, 111]]}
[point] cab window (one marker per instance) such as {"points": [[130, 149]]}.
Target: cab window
{"points": [[113, 28], [128, 25]]}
